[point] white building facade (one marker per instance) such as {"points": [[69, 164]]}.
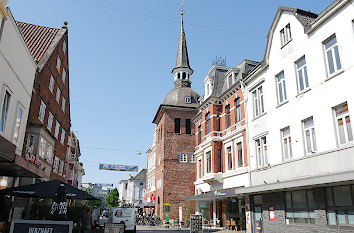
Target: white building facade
{"points": [[132, 191], [299, 106]]}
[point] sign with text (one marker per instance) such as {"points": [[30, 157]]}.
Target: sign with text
{"points": [[196, 223], [39, 226], [116, 167], [113, 228]]}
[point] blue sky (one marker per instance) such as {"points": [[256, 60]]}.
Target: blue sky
{"points": [[121, 54]]}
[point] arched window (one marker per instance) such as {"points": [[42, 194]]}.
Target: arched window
{"points": [[179, 76], [184, 75]]}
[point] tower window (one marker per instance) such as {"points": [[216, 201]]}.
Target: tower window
{"points": [[179, 76], [184, 76], [188, 100], [188, 126], [177, 125]]}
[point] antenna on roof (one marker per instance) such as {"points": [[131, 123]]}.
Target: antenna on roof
{"points": [[219, 61]]}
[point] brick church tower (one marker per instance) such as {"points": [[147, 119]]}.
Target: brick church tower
{"points": [[174, 142]]}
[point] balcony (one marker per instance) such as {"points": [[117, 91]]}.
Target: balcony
{"points": [[213, 178]]}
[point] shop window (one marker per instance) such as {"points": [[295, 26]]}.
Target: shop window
{"points": [[340, 205], [300, 207]]}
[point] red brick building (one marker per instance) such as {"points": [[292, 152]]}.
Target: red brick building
{"points": [[173, 149], [48, 125]]}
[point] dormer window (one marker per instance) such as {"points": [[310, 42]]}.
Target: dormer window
{"points": [[230, 80], [285, 35], [188, 99]]}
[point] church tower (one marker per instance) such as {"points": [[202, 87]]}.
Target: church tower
{"points": [[171, 165]]}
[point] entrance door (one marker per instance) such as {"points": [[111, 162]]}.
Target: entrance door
{"points": [[258, 220]]}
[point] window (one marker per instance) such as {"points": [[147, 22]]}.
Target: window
{"points": [[229, 158], [207, 90], [56, 165], [42, 111], [208, 161], [51, 84], [199, 167], [230, 80], [62, 138], [281, 88], [301, 72], [199, 134], [309, 136], [58, 95], [63, 104], [64, 46], [258, 103], [192, 158], [56, 134], [239, 154], [18, 123], [332, 55], [238, 109], [177, 125], [61, 167], [64, 75], [207, 123], [227, 116], [261, 152], [340, 204], [300, 207], [188, 100], [50, 121], [343, 125], [58, 64], [286, 143], [4, 110], [183, 158], [285, 35], [188, 126]]}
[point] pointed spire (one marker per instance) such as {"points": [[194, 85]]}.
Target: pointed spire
{"points": [[182, 60]]}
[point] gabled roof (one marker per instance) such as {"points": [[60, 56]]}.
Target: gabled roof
{"points": [[37, 38], [141, 175]]}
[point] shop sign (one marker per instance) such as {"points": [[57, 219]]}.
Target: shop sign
{"points": [[271, 213], [34, 226], [167, 212], [114, 228]]}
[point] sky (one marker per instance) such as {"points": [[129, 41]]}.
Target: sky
{"points": [[121, 54]]}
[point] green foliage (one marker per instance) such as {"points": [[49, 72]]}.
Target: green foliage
{"points": [[93, 204], [112, 199]]}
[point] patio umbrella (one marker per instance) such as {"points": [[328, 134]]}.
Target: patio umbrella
{"points": [[47, 189], [59, 205]]}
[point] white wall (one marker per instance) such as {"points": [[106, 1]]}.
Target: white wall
{"points": [[324, 93], [17, 74]]}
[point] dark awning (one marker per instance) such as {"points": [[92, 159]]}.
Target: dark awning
{"points": [[47, 189]]}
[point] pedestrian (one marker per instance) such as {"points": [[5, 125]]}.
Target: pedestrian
{"points": [[87, 221]]}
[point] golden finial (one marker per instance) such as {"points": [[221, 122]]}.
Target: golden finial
{"points": [[182, 4]]}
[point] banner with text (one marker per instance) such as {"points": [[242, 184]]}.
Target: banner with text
{"points": [[116, 167]]}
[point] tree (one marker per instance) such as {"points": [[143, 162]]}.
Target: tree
{"points": [[112, 199], [93, 204]]}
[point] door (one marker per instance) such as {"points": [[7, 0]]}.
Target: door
{"points": [[258, 219]]}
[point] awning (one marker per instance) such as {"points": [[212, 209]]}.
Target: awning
{"points": [[149, 205], [20, 167]]}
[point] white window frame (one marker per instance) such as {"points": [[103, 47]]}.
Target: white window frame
{"points": [[62, 138], [227, 168], [288, 146], [206, 162], [18, 123], [63, 75], [281, 88], [312, 132], [199, 168], [345, 126], [4, 116], [56, 133], [258, 101], [42, 109], [238, 116], [236, 154], [191, 158], [63, 103], [51, 83], [57, 97], [303, 71], [50, 121], [183, 158], [285, 35], [261, 151], [334, 49], [58, 64]]}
